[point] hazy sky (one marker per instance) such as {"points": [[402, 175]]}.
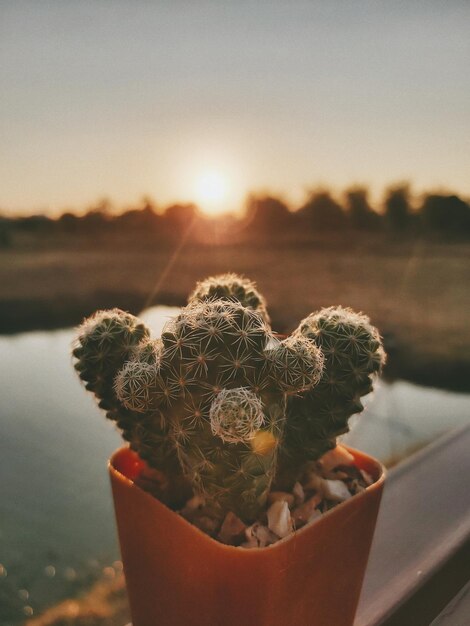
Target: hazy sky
{"points": [[124, 98]]}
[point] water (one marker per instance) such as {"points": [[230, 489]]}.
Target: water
{"points": [[57, 530], [401, 417]]}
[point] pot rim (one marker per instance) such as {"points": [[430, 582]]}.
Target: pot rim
{"points": [[377, 485]]}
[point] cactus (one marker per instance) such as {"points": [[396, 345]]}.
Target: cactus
{"points": [[212, 392], [353, 356], [231, 287], [222, 403]]}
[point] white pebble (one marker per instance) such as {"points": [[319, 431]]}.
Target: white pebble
{"points": [[298, 493], [367, 477], [232, 527], [336, 490], [279, 519], [261, 534], [307, 511]]}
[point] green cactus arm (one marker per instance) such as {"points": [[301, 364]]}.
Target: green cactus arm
{"points": [[105, 345], [142, 389], [104, 342], [353, 357]]}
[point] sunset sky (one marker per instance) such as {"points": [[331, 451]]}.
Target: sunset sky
{"points": [[206, 100]]}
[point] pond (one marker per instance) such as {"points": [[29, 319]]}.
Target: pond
{"points": [[57, 531]]}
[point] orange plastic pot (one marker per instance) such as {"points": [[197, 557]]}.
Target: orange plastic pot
{"points": [[178, 576]]}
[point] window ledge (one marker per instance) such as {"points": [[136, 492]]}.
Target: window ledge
{"points": [[419, 558]]}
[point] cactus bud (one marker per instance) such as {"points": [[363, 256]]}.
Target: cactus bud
{"points": [[236, 415]]}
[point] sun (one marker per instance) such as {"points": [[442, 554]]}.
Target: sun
{"points": [[211, 192]]}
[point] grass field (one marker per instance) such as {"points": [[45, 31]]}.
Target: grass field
{"points": [[416, 292]]}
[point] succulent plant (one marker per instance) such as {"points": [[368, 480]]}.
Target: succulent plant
{"points": [[210, 396], [222, 403]]}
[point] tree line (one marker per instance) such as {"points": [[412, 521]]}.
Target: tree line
{"points": [[435, 214]]}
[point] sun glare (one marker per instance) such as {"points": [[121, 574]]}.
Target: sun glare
{"points": [[212, 192]]}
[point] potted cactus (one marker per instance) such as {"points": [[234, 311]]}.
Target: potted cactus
{"points": [[225, 495]]}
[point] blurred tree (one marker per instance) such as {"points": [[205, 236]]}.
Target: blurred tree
{"points": [[322, 212], [149, 203], [68, 222], [5, 232], [178, 218], [181, 214], [397, 207], [266, 214], [98, 217], [35, 224], [103, 206], [94, 221], [446, 214], [144, 219], [360, 213]]}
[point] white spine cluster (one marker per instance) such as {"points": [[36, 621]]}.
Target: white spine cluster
{"points": [[236, 415]]}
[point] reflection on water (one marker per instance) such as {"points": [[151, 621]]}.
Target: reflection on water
{"points": [[56, 521], [401, 416]]}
